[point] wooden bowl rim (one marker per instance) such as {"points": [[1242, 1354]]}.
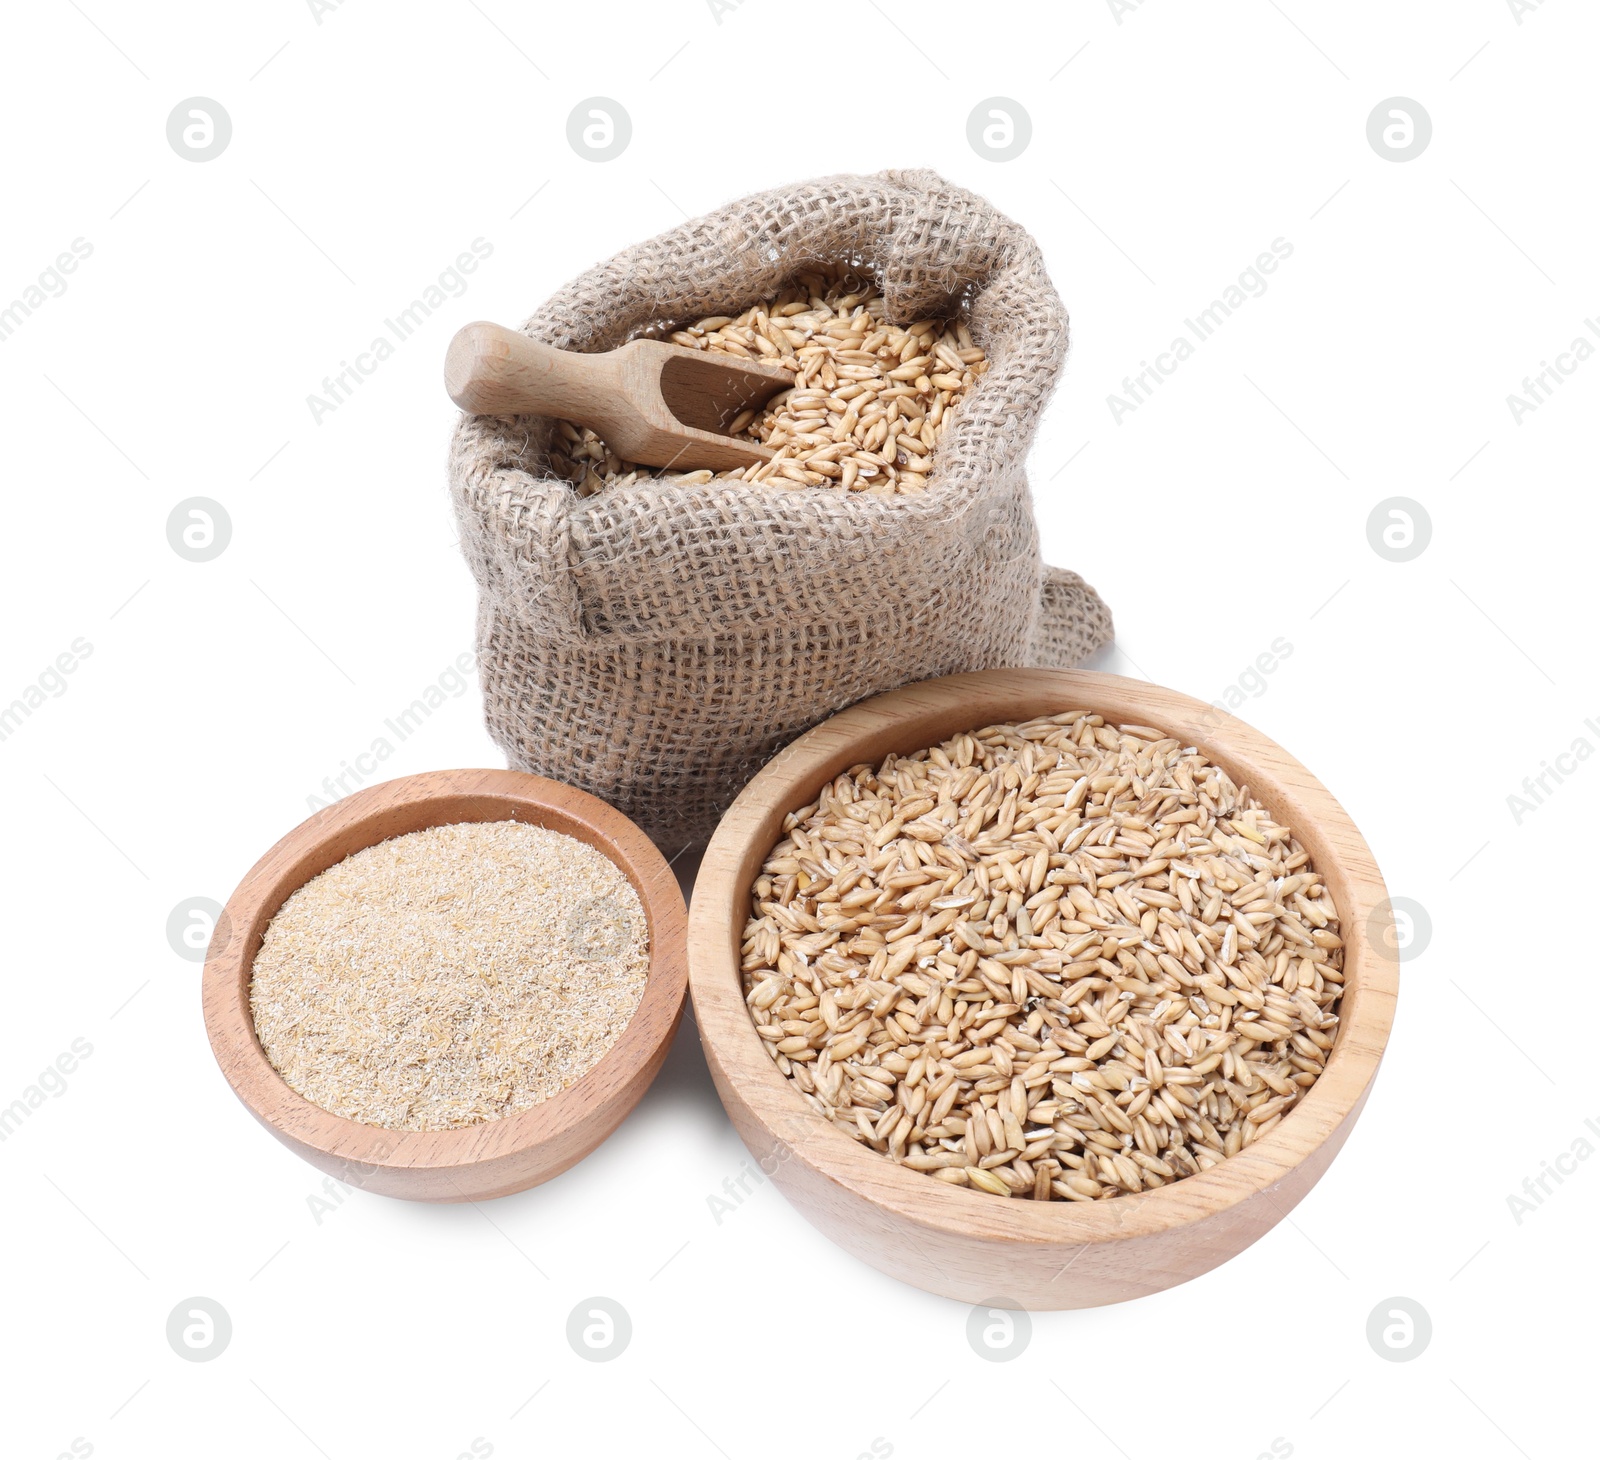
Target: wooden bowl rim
{"points": [[792, 777], [504, 795]]}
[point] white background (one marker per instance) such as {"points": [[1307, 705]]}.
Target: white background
{"points": [[1169, 147]]}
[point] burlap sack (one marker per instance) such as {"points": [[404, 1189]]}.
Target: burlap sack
{"points": [[656, 644]]}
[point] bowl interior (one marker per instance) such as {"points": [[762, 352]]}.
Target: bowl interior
{"points": [[925, 714], [396, 808]]}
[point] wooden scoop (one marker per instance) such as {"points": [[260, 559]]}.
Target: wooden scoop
{"points": [[653, 403]]}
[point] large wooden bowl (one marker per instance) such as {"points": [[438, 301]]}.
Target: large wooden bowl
{"points": [[495, 1157], [986, 1249]]}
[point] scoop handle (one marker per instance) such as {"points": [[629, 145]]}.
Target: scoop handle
{"points": [[492, 371]]}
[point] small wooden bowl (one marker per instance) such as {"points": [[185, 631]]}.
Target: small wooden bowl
{"points": [[1017, 1253], [496, 1157]]}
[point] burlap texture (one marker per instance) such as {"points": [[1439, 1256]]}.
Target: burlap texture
{"points": [[655, 644]]}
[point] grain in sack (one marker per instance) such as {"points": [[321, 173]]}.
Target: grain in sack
{"points": [[654, 641]]}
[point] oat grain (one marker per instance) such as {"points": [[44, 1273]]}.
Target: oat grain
{"points": [[1058, 960]]}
